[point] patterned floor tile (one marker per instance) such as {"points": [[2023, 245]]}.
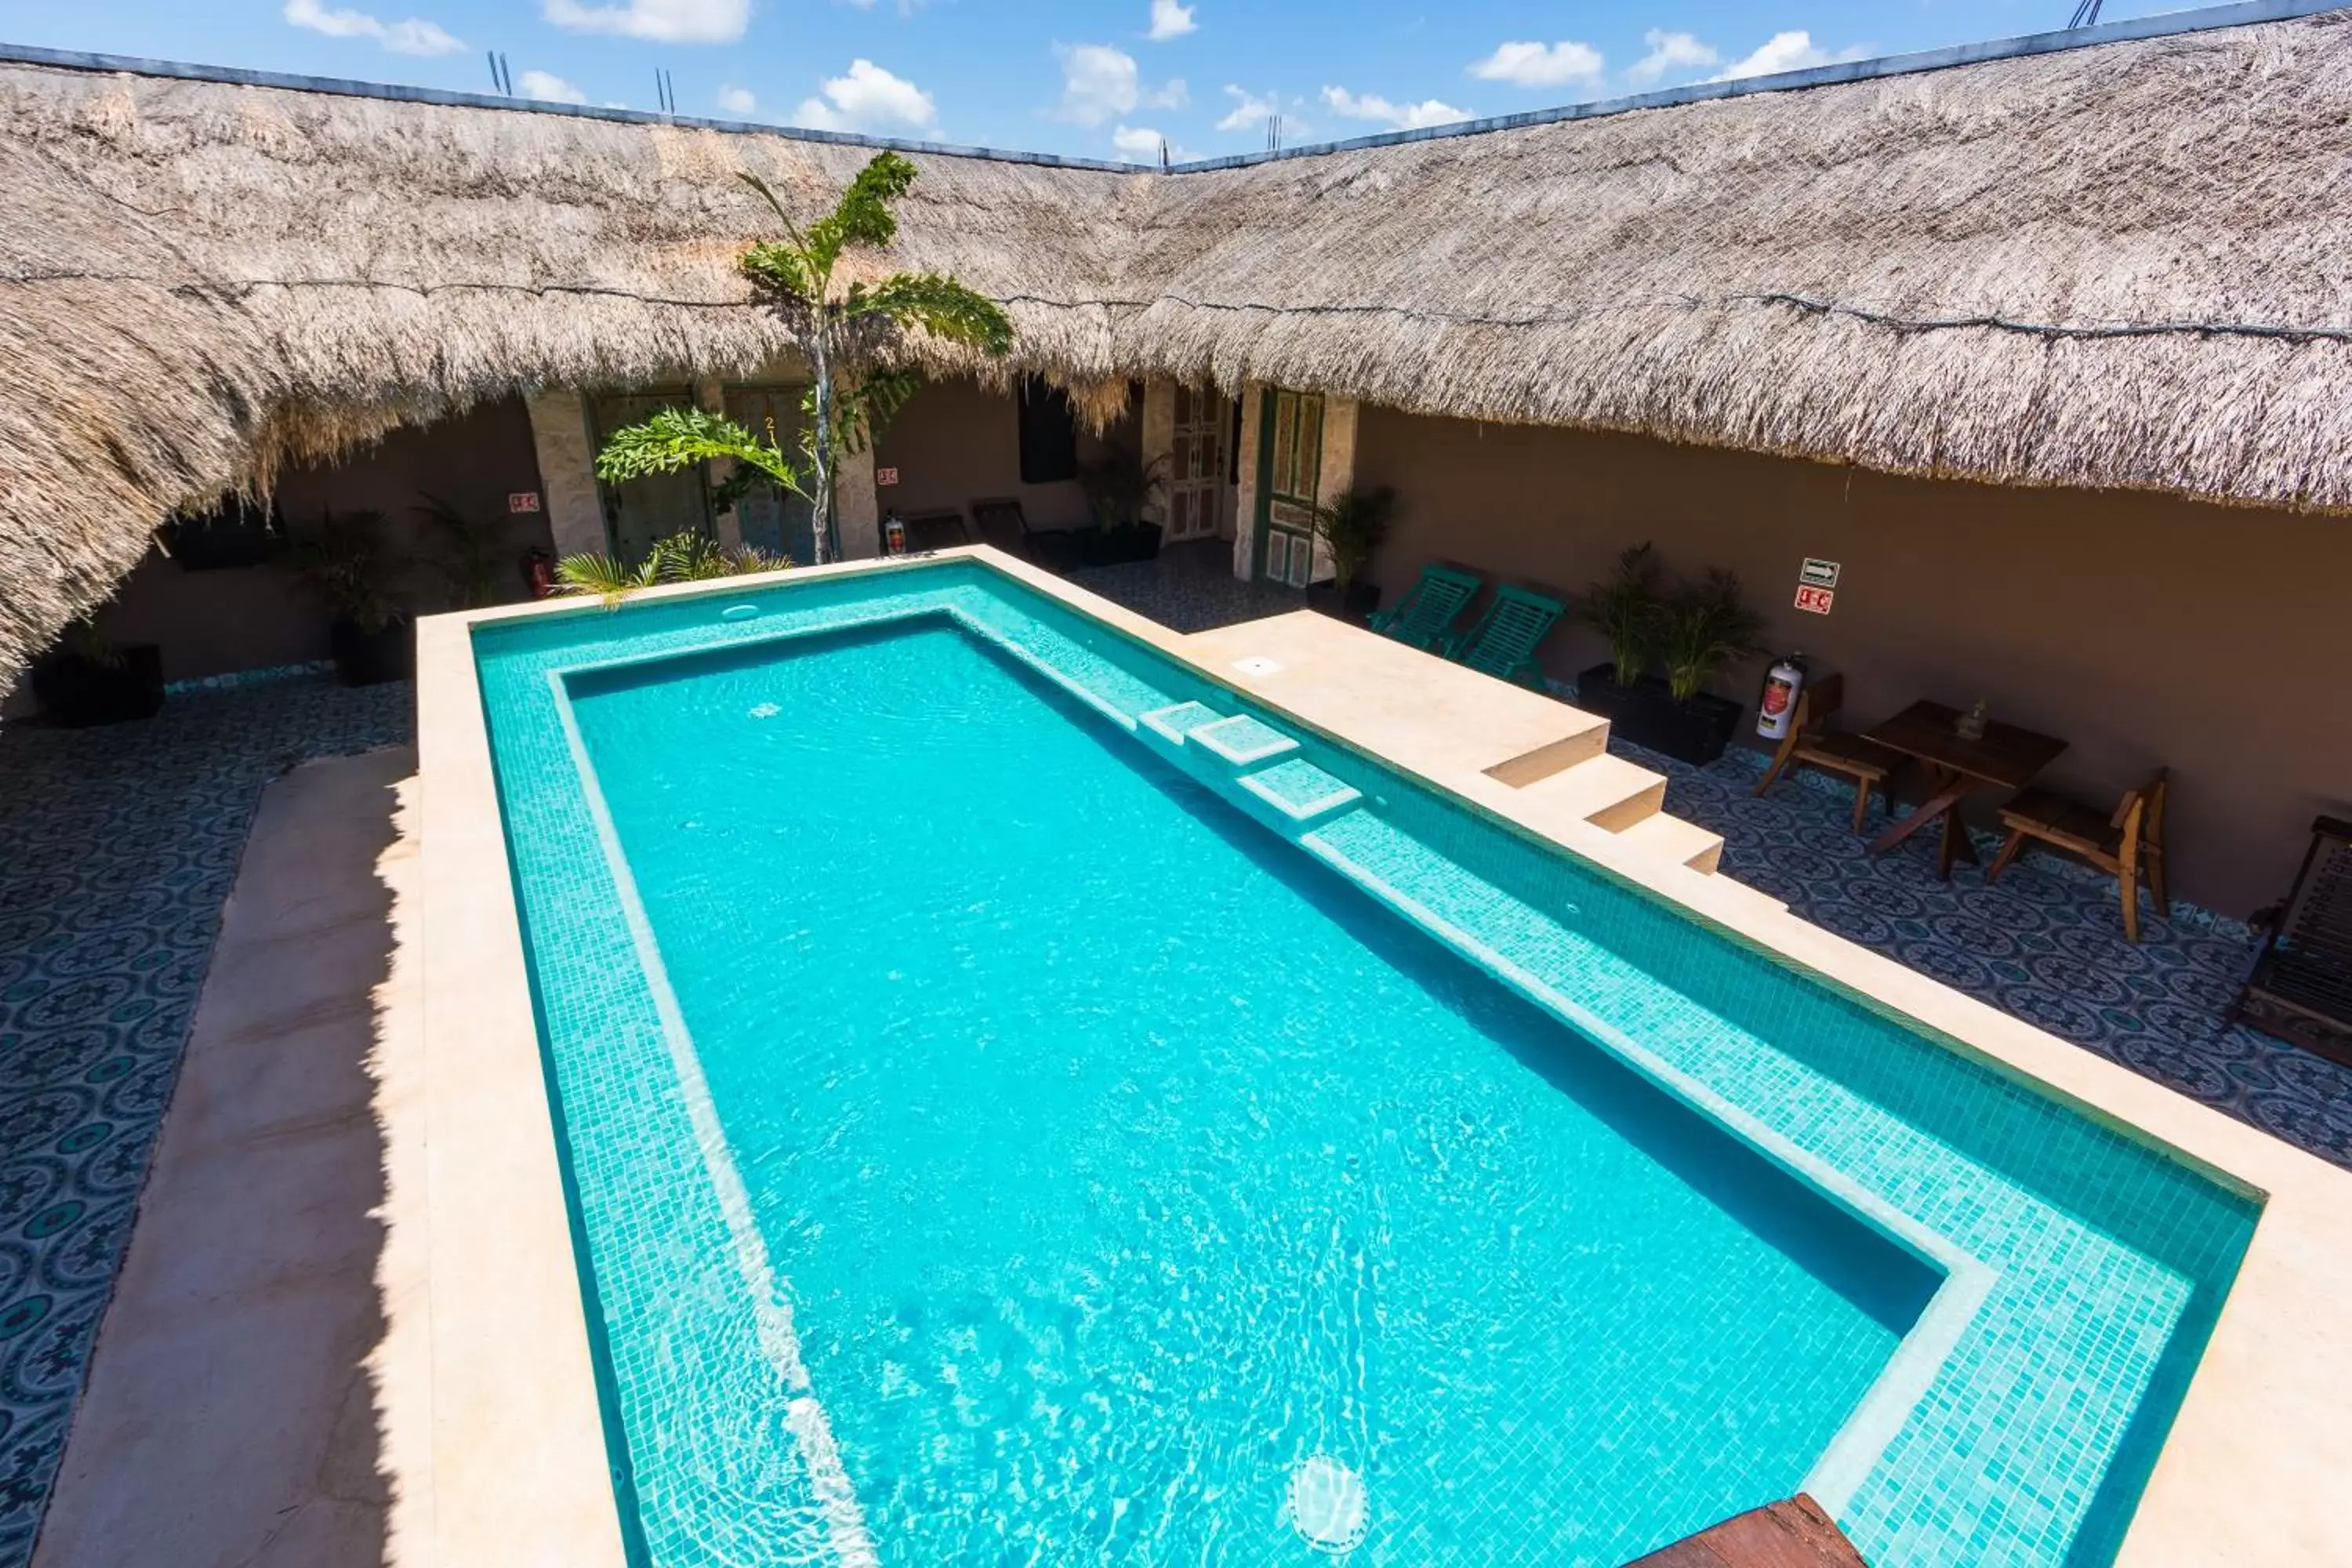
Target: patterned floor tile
{"points": [[117, 847]]}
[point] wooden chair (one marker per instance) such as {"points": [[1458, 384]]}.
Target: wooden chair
{"points": [[1428, 609], [1811, 743], [2126, 845]]}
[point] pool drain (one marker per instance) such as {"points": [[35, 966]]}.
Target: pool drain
{"points": [[1327, 1505]]}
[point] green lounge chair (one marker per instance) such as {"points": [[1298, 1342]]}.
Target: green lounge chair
{"points": [[1428, 608], [1503, 642]]}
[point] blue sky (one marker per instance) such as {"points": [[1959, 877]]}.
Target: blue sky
{"points": [[1105, 78]]}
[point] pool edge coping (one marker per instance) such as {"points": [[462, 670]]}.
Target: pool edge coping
{"points": [[2244, 1474]]}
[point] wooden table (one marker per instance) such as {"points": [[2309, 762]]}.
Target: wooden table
{"points": [[2004, 757]]}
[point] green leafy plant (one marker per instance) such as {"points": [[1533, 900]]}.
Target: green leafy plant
{"points": [[687, 557], [472, 546], [344, 565], [85, 644], [1626, 610], [1122, 487], [844, 331], [1351, 526], [1704, 626]]}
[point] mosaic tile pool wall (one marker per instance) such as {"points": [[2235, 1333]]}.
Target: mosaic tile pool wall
{"points": [[2107, 1260]]}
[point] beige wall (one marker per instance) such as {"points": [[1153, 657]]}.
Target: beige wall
{"points": [[2143, 629], [256, 617], [957, 442]]}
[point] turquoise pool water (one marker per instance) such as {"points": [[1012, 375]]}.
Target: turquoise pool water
{"points": [[1021, 1106]]}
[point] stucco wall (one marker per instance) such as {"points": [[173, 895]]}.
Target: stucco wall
{"points": [[2142, 629], [255, 617], [956, 442]]}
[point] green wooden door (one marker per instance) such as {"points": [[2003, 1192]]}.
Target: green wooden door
{"points": [[1290, 461]]}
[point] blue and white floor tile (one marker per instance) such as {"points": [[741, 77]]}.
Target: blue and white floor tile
{"points": [[117, 847], [2045, 942]]}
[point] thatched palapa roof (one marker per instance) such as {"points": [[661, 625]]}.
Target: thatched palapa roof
{"points": [[2115, 265]]}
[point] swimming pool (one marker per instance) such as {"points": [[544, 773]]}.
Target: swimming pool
{"points": [[1020, 1101]]}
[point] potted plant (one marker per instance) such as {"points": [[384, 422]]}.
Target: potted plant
{"points": [[1352, 528], [1626, 612], [240, 532], [89, 680], [1121, 489], [1703, 627], [473, 550], [371, 638]]}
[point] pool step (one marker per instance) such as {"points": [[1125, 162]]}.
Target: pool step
{"points": [[1301, 794], [1673, 839], [1605, 791]]}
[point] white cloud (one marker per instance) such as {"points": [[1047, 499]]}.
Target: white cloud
{"points": [[1170, 20], [548, 88], [1790, 52], [1404, 116], [1142, 143], [663, 21], [868, 99], [1540, 65], [1170, 96], [1249, 111], [412, 36], [738, 99], [1098, 83], [1671, 53]]}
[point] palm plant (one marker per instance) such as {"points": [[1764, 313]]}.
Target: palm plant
{"points": [[1351, 527], [345, 566], [844, 331], [687, 557], [473, 546], [1122, 487], [1626, 610], [1705, 627]]}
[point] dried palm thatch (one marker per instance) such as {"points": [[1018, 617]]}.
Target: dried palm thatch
{"points": [[2117, 265]]}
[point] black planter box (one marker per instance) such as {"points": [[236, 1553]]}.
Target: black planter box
{"points": [[1117, 546], [1696, 731], [1362, 600], [369, 658], [77, 694]]}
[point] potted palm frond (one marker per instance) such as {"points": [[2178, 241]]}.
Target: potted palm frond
{"points": [[1702, 627], [688, 557], [1351, 527], [473, 550], [1121, 489], [370, 635], [91, 680], [1625, 609]]}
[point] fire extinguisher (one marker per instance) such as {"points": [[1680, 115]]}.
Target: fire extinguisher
{"points": [[894, 534], [1775, 709]]}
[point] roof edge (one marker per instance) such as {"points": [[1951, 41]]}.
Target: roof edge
{"points": [[2163, 25], [2248, 13], [345, 87]]}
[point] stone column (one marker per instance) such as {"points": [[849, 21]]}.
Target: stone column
{"points": [[857, 510], [1246, 482], [567, 473], [1338, 469], [1159, 437]]}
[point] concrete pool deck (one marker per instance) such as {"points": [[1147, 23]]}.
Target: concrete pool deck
{"points": [[510, 1465]]}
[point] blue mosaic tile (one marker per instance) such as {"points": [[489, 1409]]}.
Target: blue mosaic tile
{"points": [[117, 847], [1241, 739]]}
